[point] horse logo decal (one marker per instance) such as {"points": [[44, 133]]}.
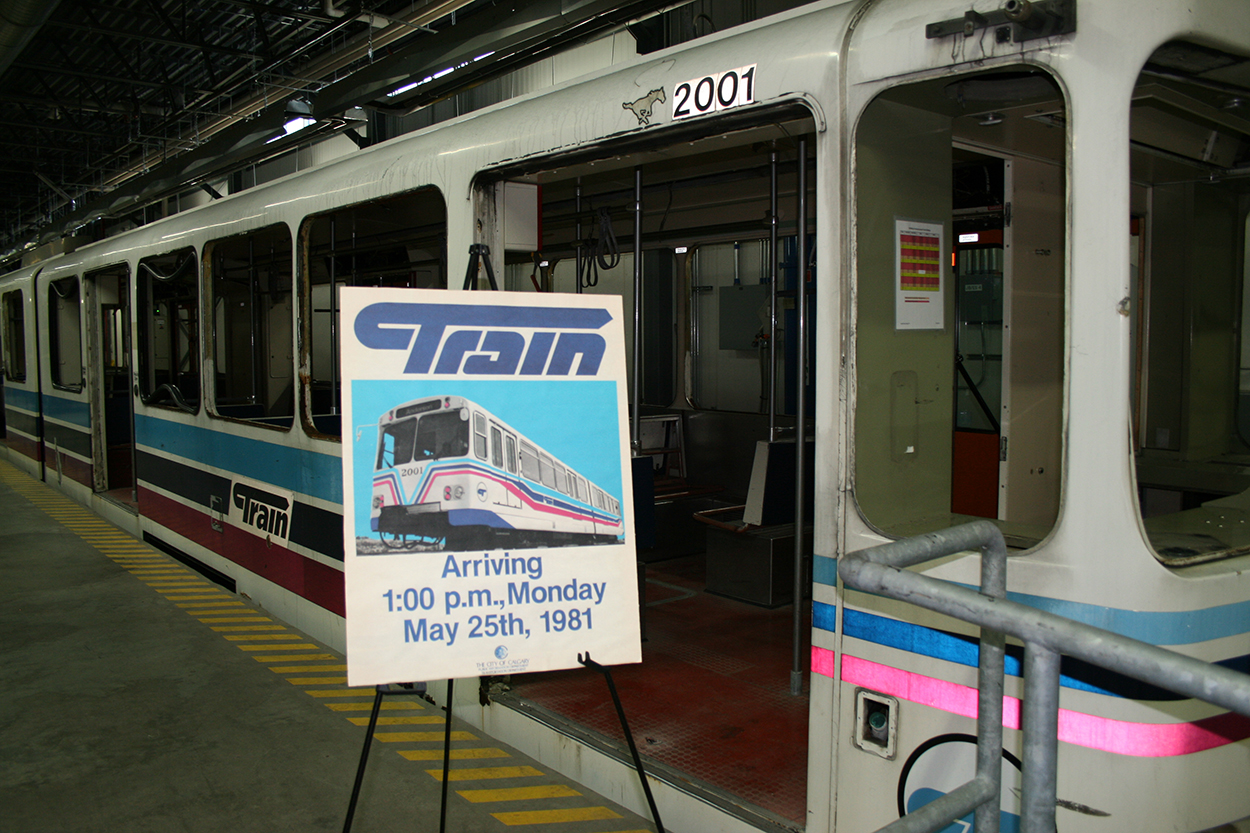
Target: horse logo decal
{"points": [[645, 106]]}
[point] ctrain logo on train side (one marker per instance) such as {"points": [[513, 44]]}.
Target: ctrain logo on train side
{"points": [[487, 340], [261, 511]]}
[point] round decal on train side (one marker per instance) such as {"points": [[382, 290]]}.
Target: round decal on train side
{"points": [[940, 765]]}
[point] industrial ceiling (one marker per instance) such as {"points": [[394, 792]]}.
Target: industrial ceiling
{"points": [[111, 105]]}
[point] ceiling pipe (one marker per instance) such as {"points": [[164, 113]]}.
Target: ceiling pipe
{"points": [[21, 21], [373, 20]]}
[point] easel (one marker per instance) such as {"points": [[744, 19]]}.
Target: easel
{"points": [[629, 738], [479, 255], [380, 692]]}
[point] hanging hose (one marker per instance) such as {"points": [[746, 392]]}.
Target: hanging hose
{"points": [[604, 252]]}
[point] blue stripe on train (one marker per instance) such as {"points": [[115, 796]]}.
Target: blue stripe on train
{"points": [[1158, 627], [302, 471], [73, 411], [18, 398]]}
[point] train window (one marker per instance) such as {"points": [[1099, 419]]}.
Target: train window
{"points": [[530, 468], [14, 336], [510, 454], [579, 488], [65, 334], [562, 479], [496, 447], [959, 353], [398, 241], [396, 444], [252, 332], [479, 435], [168, 336], [1190, 302], [442, 434], [547, 469]]}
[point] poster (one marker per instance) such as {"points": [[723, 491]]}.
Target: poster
{"points": [[488, 511], [919, 288]]}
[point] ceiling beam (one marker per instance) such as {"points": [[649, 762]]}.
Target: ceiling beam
{"points": [[122, 34]]}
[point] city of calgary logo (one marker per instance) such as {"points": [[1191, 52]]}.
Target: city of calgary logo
{"points": [[484, 340]]}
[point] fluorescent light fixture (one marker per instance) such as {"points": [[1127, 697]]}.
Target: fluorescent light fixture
{"points": [[441, 73], [292, 126]]}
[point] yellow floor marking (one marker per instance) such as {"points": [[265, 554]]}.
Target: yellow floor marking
{"points": [[484, 773], [518, 793], [199, 586], [306, 669], [253, 637], [211, 604], [297, 646], [188, 598], [456, 754], [398, 721], [293, 657], [391, 705], [226, 628], [413, 737], [556, 816], [317, 680], [235, 619], [340, 692]]}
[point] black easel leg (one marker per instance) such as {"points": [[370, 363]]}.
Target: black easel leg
{"points": [[442, 817], [629, 738], [364, 759]]}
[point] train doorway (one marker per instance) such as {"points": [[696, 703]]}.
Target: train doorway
{"points": [[711, 707], [112, 401]]}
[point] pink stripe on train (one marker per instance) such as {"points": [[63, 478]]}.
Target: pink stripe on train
{"points": [[1146, 740]]}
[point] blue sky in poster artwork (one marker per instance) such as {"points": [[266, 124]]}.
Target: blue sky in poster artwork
{"points": [[574, 420]]}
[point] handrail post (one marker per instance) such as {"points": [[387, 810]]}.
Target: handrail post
{"points": [[1040, 719]]}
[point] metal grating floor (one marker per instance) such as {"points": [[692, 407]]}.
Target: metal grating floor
{"points": [[711, 697]]}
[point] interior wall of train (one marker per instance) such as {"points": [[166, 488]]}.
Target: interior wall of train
{"points": [[960, 415]]}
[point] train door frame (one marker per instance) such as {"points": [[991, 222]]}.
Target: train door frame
{"points": [[34, 334], [108, 432]]}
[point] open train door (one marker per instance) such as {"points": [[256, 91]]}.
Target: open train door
{"points": [[112, 401]]}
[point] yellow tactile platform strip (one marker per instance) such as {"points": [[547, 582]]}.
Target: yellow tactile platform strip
{"points": [[321, 673]]}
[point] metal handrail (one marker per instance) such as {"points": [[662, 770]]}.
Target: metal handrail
{"points": [[1046, 638]]}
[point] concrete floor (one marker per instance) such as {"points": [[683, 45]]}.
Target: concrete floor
{"points": [[134, 696]]}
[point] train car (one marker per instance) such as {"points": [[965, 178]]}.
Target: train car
{"points": [[1032, 228], [449, 472]]}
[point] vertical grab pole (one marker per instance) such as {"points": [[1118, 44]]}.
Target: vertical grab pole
{"points": [[635, 439], [334, 320], [772, 297], [800, 430], [577, 210]]}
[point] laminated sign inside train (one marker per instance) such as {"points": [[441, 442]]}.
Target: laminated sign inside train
{"points": [[487, 515]]}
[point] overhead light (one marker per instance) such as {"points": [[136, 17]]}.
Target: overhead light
{"points": [[991, 119], [298, 116]]}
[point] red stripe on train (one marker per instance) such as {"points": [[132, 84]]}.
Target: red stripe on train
{"points": [[312, 580]]}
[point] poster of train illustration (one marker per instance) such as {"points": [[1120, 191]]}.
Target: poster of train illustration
{"points": [[486, 498]]}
